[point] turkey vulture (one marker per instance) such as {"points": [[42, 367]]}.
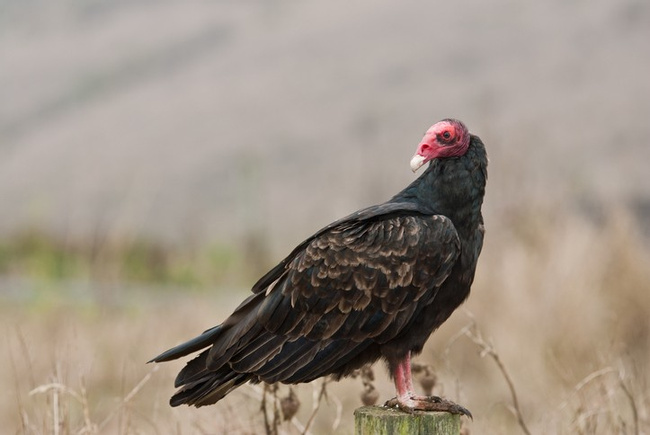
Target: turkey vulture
{"points": [[372, 285]]}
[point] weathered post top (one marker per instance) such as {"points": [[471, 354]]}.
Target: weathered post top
{"points": [[378, 420]]}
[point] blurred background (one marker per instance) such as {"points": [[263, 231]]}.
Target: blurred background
{"points": [[158, 157]]}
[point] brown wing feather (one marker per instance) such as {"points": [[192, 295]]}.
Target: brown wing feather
{"points": [[350, 274], [350, 288]]}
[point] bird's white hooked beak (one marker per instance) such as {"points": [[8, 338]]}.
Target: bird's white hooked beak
{"points": [[417, 161]]}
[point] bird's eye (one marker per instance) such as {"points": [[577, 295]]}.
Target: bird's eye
{"points": [[446, 135]]}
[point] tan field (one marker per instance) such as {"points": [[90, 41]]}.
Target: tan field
{"points": [[562, 301]]}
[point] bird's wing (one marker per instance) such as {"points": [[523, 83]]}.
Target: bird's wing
{"points": [[358, 282], [361, 279], [364, 215]]}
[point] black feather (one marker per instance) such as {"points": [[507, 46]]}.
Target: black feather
{"points": [[204, 340], [372, 285]]}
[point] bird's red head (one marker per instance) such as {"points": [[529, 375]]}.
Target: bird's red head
{"points": [[447, 138]]}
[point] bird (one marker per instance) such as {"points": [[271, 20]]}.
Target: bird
{"points": [[372, 285]]}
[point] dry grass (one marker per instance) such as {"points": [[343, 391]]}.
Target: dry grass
{"points": [[561, 304]]}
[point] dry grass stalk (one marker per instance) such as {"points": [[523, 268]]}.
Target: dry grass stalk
{"points": [[630, 397], [284, 409], [319, 395], [472, 332], [124, 402], [58, 391], [600, 411]]}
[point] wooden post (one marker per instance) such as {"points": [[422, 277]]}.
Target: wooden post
{"points": [[377, 420]]}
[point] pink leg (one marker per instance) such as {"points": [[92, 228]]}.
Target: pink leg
{"points": [[406, 399], [404, 378], [403, 383], [407, 373]]}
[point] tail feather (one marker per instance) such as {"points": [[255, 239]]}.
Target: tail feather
{"points": [[262, 355], [265, 340], [210, 389], [194, 370], [286, 364], [259, 350], [327, 361], [223, 348], [202, 341], [268, 357]]}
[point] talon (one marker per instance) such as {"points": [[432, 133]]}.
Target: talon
{"points": [[409, 402], [402, 405], [427, 403]]}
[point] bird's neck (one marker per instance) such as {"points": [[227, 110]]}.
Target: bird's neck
{"points": [[453, 187]]}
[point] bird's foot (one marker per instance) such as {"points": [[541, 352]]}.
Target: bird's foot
{"points": [[414, 403]]}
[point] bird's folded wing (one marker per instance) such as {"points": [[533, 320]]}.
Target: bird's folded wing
{"points": [[362, 279]]}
